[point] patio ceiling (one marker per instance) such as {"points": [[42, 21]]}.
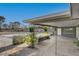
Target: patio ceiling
{"points": [[65, 23]]}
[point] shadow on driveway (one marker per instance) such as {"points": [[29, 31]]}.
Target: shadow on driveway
{"points": [[2, 49]]}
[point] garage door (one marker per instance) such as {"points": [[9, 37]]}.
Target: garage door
{"points": [[69, 32]]}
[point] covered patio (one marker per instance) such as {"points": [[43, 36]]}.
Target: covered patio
{"points": [[62, 23]]}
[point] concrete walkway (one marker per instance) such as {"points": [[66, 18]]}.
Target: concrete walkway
{"points": [[65, 47]]}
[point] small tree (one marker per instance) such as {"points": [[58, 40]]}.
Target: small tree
{"points": [[5, 26], [15, 25], [2, 19]]}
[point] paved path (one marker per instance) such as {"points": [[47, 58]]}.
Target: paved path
{"points": [[65, 47]]}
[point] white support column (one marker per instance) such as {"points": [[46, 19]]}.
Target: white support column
{"points": [[58, 31], [77, 33]]}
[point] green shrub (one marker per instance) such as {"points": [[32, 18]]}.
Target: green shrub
{"points": [[18, 40], [77, 43], [27, 39], [45, 28]]}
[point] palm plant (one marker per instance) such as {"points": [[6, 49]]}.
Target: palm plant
{"points": [[32, 36]]}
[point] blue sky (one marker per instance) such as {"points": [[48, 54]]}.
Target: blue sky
{"points": [[22, 11]]}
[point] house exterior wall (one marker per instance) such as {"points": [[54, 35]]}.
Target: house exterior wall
{"points": [[77, 33], [51, 30]]}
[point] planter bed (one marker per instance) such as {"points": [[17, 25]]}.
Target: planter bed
{"points": [[43, 38]]}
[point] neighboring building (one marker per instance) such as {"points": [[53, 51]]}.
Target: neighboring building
{"points": [[65, 23]]}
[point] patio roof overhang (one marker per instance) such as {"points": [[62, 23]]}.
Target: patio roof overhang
{"points": [[62, 19]]}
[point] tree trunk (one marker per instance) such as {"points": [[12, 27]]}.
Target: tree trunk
{"points": [[0, 27]]}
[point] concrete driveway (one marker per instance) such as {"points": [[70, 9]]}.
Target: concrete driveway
{"points": [[65, 47]]}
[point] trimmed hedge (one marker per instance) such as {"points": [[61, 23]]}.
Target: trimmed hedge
{"points": [[30, 39], [24, 39], [18, 40]]}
